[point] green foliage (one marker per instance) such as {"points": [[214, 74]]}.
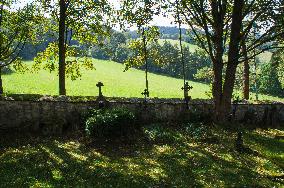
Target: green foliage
{"points": [[19, 66], [49, 58], [84, 21], [204, 74], [165, 58], [17, 27], [268, 81], [138, 13], [197, 130], [109, 123], [161, 134], [138, 58], [280, 73], [278, 63]]}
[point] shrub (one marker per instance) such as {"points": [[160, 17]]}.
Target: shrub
{"points": [[110, 122]]}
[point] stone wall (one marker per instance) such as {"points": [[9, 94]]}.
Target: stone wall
{"points": [[57, 116]]}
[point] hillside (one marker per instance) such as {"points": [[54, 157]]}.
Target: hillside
{"points": [[117, 83], [264, 57]]}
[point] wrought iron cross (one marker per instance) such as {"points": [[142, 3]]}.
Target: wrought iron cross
{"points": [[186, 89], [145, 93], [100, 85]]}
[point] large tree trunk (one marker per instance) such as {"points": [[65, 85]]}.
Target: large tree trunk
{"points": [[218, 63], [217, 87], [61, 46], [246, 73], [1, 83], [224, 109]]}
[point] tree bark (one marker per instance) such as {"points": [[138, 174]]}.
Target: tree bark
{"points": [[233, 59], [61, 46], [218, 63], [217, 87], [1, 83], [246, 73], [1, 41]]}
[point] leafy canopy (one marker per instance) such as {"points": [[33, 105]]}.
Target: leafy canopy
{"points": [[18, 26], [86, 21]]}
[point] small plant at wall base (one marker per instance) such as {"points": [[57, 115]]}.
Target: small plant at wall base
{"points": [[109, 123]]}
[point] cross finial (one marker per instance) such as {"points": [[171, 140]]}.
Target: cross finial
{"points": [[100, 85]]}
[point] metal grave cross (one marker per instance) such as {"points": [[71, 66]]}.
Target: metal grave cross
{"points": [[100, 85], [186, 89], [145, 93]]}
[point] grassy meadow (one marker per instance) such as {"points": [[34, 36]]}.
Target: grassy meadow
{"points": [[117, 83]]}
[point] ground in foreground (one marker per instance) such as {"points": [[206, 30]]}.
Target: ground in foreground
{"points": [[158, 157]]}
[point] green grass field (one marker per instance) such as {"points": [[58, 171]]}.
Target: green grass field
{"points": [[117, 83]]}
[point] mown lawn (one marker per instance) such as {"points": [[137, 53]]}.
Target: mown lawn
{"points": [[157, 157], [117, 83]]}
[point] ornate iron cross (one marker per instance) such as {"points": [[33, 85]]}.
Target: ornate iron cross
{"points": [[145, 93], [100, 85], [186, 89]]}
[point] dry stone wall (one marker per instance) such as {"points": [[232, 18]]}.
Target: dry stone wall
{"points": [[58, 116]]}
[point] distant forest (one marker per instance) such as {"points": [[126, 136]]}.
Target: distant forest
{"points": [[31, 50]]}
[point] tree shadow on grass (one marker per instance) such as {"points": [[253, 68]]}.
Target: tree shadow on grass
{"points": [[271, 148], [59, 164], [73, 162]]}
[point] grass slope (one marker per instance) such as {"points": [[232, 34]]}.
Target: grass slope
{"points": [[163, 157], [117, 83]]}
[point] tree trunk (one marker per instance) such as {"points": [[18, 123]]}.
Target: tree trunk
{"points": [[246, 73], [218, 63], [1, 83], [61, 46], [217, 87], [224, 109], [1, 42]]}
